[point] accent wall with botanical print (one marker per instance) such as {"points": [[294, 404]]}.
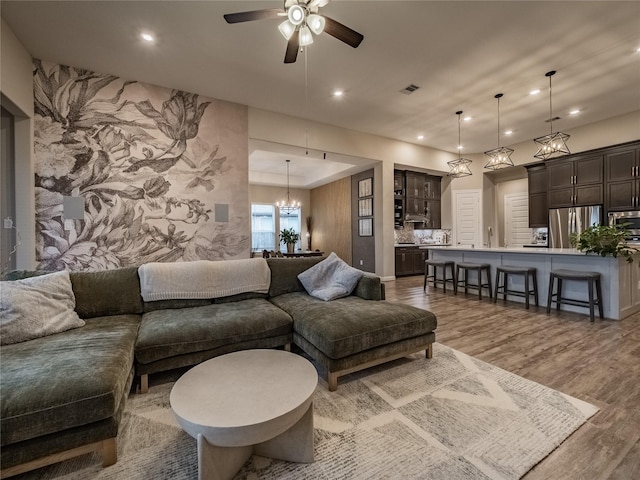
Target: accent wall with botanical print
{"points": [[150, 165]]}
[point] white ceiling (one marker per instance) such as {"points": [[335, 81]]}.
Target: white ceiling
{"points": [[459, 53]]}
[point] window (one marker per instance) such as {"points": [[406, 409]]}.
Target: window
{"points": [[291, 219], [266, 226], [263, 227]]}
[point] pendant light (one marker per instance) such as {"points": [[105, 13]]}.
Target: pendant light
{"points": [[288, 206], [553, 143], [499, 157], [459, 167]]}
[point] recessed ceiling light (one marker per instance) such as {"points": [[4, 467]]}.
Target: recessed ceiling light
{"points": [[459, 147], [467, 119], [574, 112], [638, 50], [534, 92], [420, 137], [147, 37], [338, 93], [508, 132]]}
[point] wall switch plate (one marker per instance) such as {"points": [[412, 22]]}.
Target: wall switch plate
{"points": [[8, 223], [361, 262]]}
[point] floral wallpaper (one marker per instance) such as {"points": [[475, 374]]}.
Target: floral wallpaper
{"points": [[149, 163]]}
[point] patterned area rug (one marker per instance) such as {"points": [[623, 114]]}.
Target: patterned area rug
{"points": [[451, 417]]}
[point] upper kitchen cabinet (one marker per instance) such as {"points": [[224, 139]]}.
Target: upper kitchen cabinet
{"points": [[398, 199], [622, 173], [538, 204], [414, 186], [577, 180], [432, 187], [416, 199]]}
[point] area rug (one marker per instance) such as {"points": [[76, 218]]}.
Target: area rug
{"points": [[450, 417]]}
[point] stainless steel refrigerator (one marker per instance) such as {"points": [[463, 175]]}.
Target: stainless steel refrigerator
{"points": [[563, 222]]}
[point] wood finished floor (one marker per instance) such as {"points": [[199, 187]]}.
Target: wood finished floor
{"points": [[596, 362]]}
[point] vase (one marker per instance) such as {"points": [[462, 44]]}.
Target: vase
{"points": [[291, 247]]}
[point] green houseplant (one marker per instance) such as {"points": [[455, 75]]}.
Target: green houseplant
{"points": [[604, 240], [289, 237]]}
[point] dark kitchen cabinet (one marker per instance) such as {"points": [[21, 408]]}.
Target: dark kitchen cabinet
{"points": [[538, 204], [432, 212], [414, 186], [416, 195], [410, 261], [398, 199], [578, 180], [622, 174]]}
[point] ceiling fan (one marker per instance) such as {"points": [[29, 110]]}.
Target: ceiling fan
{"points": [[301, 19]]}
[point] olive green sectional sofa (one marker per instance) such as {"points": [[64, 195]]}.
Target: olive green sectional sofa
{"points": [[63, 395]]}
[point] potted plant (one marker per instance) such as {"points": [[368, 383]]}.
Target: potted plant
{"points": [[289, 237], [604, 240]]}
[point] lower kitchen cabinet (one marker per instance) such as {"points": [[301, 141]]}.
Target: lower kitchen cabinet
{"points": [[410, 261]]}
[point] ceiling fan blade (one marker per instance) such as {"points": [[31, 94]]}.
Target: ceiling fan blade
{"points": [[342, 32], [265, 14], [292, 48], [317, 3]]}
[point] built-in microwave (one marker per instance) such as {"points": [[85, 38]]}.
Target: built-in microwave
{"points": [[630, 221]]}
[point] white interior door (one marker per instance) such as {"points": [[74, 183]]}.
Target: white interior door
{"points": [[516, 220], [467, 207]]}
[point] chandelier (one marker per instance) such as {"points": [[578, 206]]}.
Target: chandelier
{"points": [[553, 143], [459, 167], [499, 157], [288, 206]]}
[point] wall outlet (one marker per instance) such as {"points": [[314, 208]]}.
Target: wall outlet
{"points": [[361, 262], [8, 223]]}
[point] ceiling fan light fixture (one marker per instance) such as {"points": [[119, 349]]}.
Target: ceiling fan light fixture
{"points": [[316, 23], [306, 38], [296, 14], [286, 29]]}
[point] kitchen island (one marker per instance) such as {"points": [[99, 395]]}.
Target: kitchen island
{"points": [[620, 279]]}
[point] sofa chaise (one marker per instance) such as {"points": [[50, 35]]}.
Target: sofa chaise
{"points": [[63, 395]]}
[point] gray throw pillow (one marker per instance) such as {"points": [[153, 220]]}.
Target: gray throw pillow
{"points": [[330, 279], [36, 307]]}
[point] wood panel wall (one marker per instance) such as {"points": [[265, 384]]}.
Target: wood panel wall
{"points": [[331, 212]]}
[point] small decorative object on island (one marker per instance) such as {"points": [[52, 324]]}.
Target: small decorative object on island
{"points": [[289, 237], [604, 240]]}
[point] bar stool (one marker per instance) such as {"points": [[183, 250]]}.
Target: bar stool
{"points": [[526, 272], [443, 265], [466, 267], [592, 278]]}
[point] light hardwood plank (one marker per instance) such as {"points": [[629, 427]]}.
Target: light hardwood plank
{"points": [[596, 362]]}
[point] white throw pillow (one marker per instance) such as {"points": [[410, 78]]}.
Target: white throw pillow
{"points": [[330, 279], [36, 307]]}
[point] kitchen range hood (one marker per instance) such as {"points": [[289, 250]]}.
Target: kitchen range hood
{"points": [[415, 218]]}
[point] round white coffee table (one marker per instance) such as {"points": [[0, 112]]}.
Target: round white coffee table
{"points": [[252, 401]]}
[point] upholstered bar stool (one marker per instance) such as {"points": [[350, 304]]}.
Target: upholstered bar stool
{"points": [[467, 267], [593, 281], [443, 265], [530, 288]]}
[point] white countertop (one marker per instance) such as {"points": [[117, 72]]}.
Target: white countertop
{"points": [[536, 251]]}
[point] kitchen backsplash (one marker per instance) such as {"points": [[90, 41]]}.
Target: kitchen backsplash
{"points": [[408, 234]]}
